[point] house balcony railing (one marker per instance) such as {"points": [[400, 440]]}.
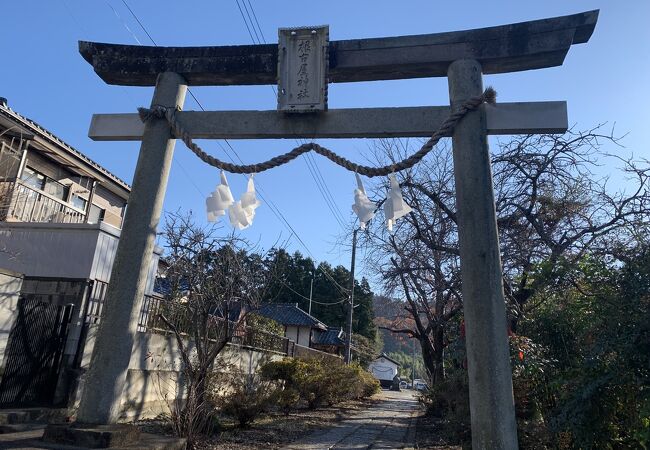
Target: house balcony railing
{"points": [[22, 203]]}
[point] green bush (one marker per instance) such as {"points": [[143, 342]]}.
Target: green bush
{"points": [[317, 381], [246, 398]]}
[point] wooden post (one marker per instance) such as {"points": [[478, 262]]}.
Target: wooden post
{"points": [[488, 356], [102, 394]]}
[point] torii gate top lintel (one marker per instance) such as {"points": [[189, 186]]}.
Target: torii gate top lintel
{"points": [[507, 48]]}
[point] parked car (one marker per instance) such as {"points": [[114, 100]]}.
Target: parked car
{"points": [[403, 385], [420, 385]]}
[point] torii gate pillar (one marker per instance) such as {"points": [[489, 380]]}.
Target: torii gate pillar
{"points": [[102, 394], [492, 406]]}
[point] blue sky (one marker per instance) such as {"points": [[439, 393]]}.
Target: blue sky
{"points": [[45, 78]]}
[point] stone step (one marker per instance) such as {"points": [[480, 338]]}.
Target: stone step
{"points": [[32, 440], [33, 415], [20, 427]]}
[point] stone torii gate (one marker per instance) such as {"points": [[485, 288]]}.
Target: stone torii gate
{"points": [[462, 56]]}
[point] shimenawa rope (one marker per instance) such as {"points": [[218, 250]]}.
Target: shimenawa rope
{"points": [[447, 128]]}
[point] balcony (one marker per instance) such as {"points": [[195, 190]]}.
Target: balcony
{"points": [[63, 250], [20, 202]]}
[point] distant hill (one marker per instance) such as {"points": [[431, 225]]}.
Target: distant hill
{"points": [[387, 311]]}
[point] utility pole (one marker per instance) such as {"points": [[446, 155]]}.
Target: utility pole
{"points": [[311, 291], [413, 367], [348, 340]]}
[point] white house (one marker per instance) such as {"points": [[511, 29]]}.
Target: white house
{"points": [[384, 369]]}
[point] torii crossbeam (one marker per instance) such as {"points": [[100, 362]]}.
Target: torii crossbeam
{"points": [[462, 56]]}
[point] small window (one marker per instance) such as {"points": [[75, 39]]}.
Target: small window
{"points": [[37, 180], [96, 214], [33, 178], [56, 189], [78, 202]]}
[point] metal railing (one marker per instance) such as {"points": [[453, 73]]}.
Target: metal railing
{"points": [[24, 203], [179, 315]]}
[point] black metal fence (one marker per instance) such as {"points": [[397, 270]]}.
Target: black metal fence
{"points": [[180, 317], [33, 354]]}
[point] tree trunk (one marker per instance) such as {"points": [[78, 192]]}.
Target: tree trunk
{"points": [[428, 356], [438, 373]]}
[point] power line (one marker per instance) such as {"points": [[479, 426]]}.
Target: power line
{"points": [[311, 300], [275, 210], [135, 37], [312, 165], [341, 288], [319, 174]]}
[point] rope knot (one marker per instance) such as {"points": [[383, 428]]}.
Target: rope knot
{"points": [[490, 95], [155, 112]]}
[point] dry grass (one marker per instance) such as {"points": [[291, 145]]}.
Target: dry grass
{"points": [[430, 434], [273, 430]]}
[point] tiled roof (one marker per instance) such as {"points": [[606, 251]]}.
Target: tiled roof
{"points": [[290, 314], [45, 134], [385, 356], [333, 336]]}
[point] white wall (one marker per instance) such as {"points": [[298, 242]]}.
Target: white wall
{"points": [[299, 335], [155, 377], [10, 284], [383, 369]]}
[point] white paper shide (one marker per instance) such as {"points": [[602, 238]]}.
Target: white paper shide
{"points": [[395, 206], [220, 200], [241, 213], [363, 207]]}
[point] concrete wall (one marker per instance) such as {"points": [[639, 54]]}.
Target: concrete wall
{"points": [[10, 285], [155, 377], [300, 351]]}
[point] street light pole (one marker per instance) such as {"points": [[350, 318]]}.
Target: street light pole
{"points": [[348, 340]]}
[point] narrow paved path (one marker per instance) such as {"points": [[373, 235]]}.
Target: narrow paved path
{"points": [[388, 424]]}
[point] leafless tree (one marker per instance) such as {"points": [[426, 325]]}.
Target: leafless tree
{"points": [[553, 204], [212, 284]]}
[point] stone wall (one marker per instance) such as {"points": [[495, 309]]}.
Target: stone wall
{"points": [[155, 380]]}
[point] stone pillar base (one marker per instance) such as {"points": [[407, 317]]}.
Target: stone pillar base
{"points": [[92, 436], [117, 436]]}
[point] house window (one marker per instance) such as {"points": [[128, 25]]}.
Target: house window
{"points": [[33, 178], [37, 180], [56, 189], [96, 214], [78, 202]]}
